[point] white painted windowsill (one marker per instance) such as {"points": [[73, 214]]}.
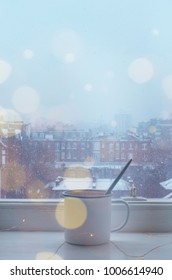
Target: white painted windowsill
{"points": [[29, 230], [153, 215]]}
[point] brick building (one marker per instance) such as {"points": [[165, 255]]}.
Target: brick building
{"points": [[99, 151]]}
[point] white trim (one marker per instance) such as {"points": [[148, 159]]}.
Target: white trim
{"points": [[39, 215]]}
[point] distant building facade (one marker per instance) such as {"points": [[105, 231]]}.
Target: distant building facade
{"points": [[99, 150], [56, 147], [156, 129]]}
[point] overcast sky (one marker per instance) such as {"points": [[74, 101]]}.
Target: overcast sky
{"points": [[86, 60]]}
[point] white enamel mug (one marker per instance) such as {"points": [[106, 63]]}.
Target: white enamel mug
{"points": [[87, 216]]}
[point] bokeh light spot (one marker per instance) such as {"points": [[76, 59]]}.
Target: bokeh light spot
{"points": [[77, 178], [5, 71], [36, 190], [28, 54], [70, 58], [140, 70], [66, 45], [77, 172], [47, 256], [59, 213], [88, 87], [155, 32], [26, 100], [152, 129], [75, 213], [10, 122]]}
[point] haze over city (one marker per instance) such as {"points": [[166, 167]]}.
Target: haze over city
{"points": [[86, 61]]}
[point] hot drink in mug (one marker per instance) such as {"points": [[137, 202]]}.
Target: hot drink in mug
{"points": [[87, 216]]}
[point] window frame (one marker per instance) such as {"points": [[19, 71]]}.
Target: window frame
{"points": [[39, 215]]}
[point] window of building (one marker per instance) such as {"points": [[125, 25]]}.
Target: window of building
{"points": [[123, 146], [117, 146], [74, 145], [130, 146], [34, 135], [76, 76], [64, 77], [83, 145], [63, 145], [96, 145], [144, 145]]}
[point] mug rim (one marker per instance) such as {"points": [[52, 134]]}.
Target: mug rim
{"points": [[77, 193]]}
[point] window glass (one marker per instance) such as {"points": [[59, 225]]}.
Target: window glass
{"points": [[85, 85]]}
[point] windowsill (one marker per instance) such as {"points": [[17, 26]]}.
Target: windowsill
{"points": [[29, 230], [152, 215], [15, 245]]}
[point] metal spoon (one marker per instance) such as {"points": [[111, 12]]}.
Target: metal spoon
{"points": [[118, 177]]}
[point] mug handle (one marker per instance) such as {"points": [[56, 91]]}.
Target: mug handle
{"points": [[126, 219]]}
